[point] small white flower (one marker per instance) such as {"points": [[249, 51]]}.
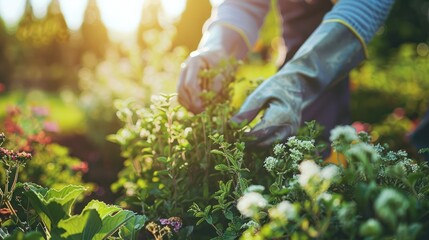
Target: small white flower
{"points": [[308, 169], [255, 188], [279, 149], [346, 133], [284, 210], [327, 197], [329, 172], [296, 155], [293, 142], [250, 203], [270, 163], [250, 224], [363, 150]]}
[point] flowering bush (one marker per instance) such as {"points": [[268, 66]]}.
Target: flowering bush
{"points": [[52, 166]]}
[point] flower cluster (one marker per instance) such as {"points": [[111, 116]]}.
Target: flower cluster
{"points": [[157, 231], [299, 147], [362, 152], [270, 163], [309, 169], [174, 222], [250, 204], [343, 133], [285, 210], [16, 157]]}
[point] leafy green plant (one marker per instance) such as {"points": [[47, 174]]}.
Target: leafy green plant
{"points": [[379, 194], [29, 211]]}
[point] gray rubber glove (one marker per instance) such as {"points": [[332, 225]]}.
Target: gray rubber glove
{"points": [[326, 57], [218, 43]]}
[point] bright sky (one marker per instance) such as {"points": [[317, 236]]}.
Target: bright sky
{"points": [[122, 16]]}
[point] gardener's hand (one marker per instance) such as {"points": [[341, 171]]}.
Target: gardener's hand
{"points": [[191, 85], [281, 98], [218, 43]]}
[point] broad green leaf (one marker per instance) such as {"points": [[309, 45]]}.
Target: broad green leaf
{"points": [[112, 223], [102, 208], [97, 221], [132, 227], [83, 226], [52, 205]]}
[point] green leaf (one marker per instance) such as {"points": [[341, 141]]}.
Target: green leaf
{"points": [[52, 205], [413, 178], [229, 215], [112, 223], [222, 167], [132, 227], [97, 221], [83, 226], [217, 152]]}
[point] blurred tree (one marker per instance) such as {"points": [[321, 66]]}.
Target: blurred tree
{"points": [[94, 33], [43, 32], [149, 21], [189, 27], [4, 62]]}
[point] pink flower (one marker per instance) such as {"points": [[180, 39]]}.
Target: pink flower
{"points": [[40, 111], [399, 113], [50, 127]]}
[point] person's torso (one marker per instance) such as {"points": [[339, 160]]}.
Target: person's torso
{"points": [[300, 19]]}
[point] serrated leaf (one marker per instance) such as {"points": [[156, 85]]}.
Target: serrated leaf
{"points": [[52, 205]]}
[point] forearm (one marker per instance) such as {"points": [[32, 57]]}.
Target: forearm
{"points": [[362, 17], [234, 25]]}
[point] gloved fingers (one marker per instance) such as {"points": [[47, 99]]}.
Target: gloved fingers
{"points": [[182, 94], [250, 108], [278, 122], [189, 89], [217, 83]]}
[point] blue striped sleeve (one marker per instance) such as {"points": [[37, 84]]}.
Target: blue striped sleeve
{"points": [[364, 16]]}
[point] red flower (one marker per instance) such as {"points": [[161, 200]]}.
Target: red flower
{"points": [[5, 213], [81, 167]]}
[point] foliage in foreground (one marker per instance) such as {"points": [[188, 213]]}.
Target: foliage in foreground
{"points": [[29, 211], [196, 168]]}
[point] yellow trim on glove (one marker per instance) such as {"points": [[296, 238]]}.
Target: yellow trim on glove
{"points": [[359, 37], [239, 31]]}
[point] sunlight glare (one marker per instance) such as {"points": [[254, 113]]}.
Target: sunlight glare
{"points": [[73, 12], [215, 2], [12, 11], [173, 8], [40, 7], [122, 16]]}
